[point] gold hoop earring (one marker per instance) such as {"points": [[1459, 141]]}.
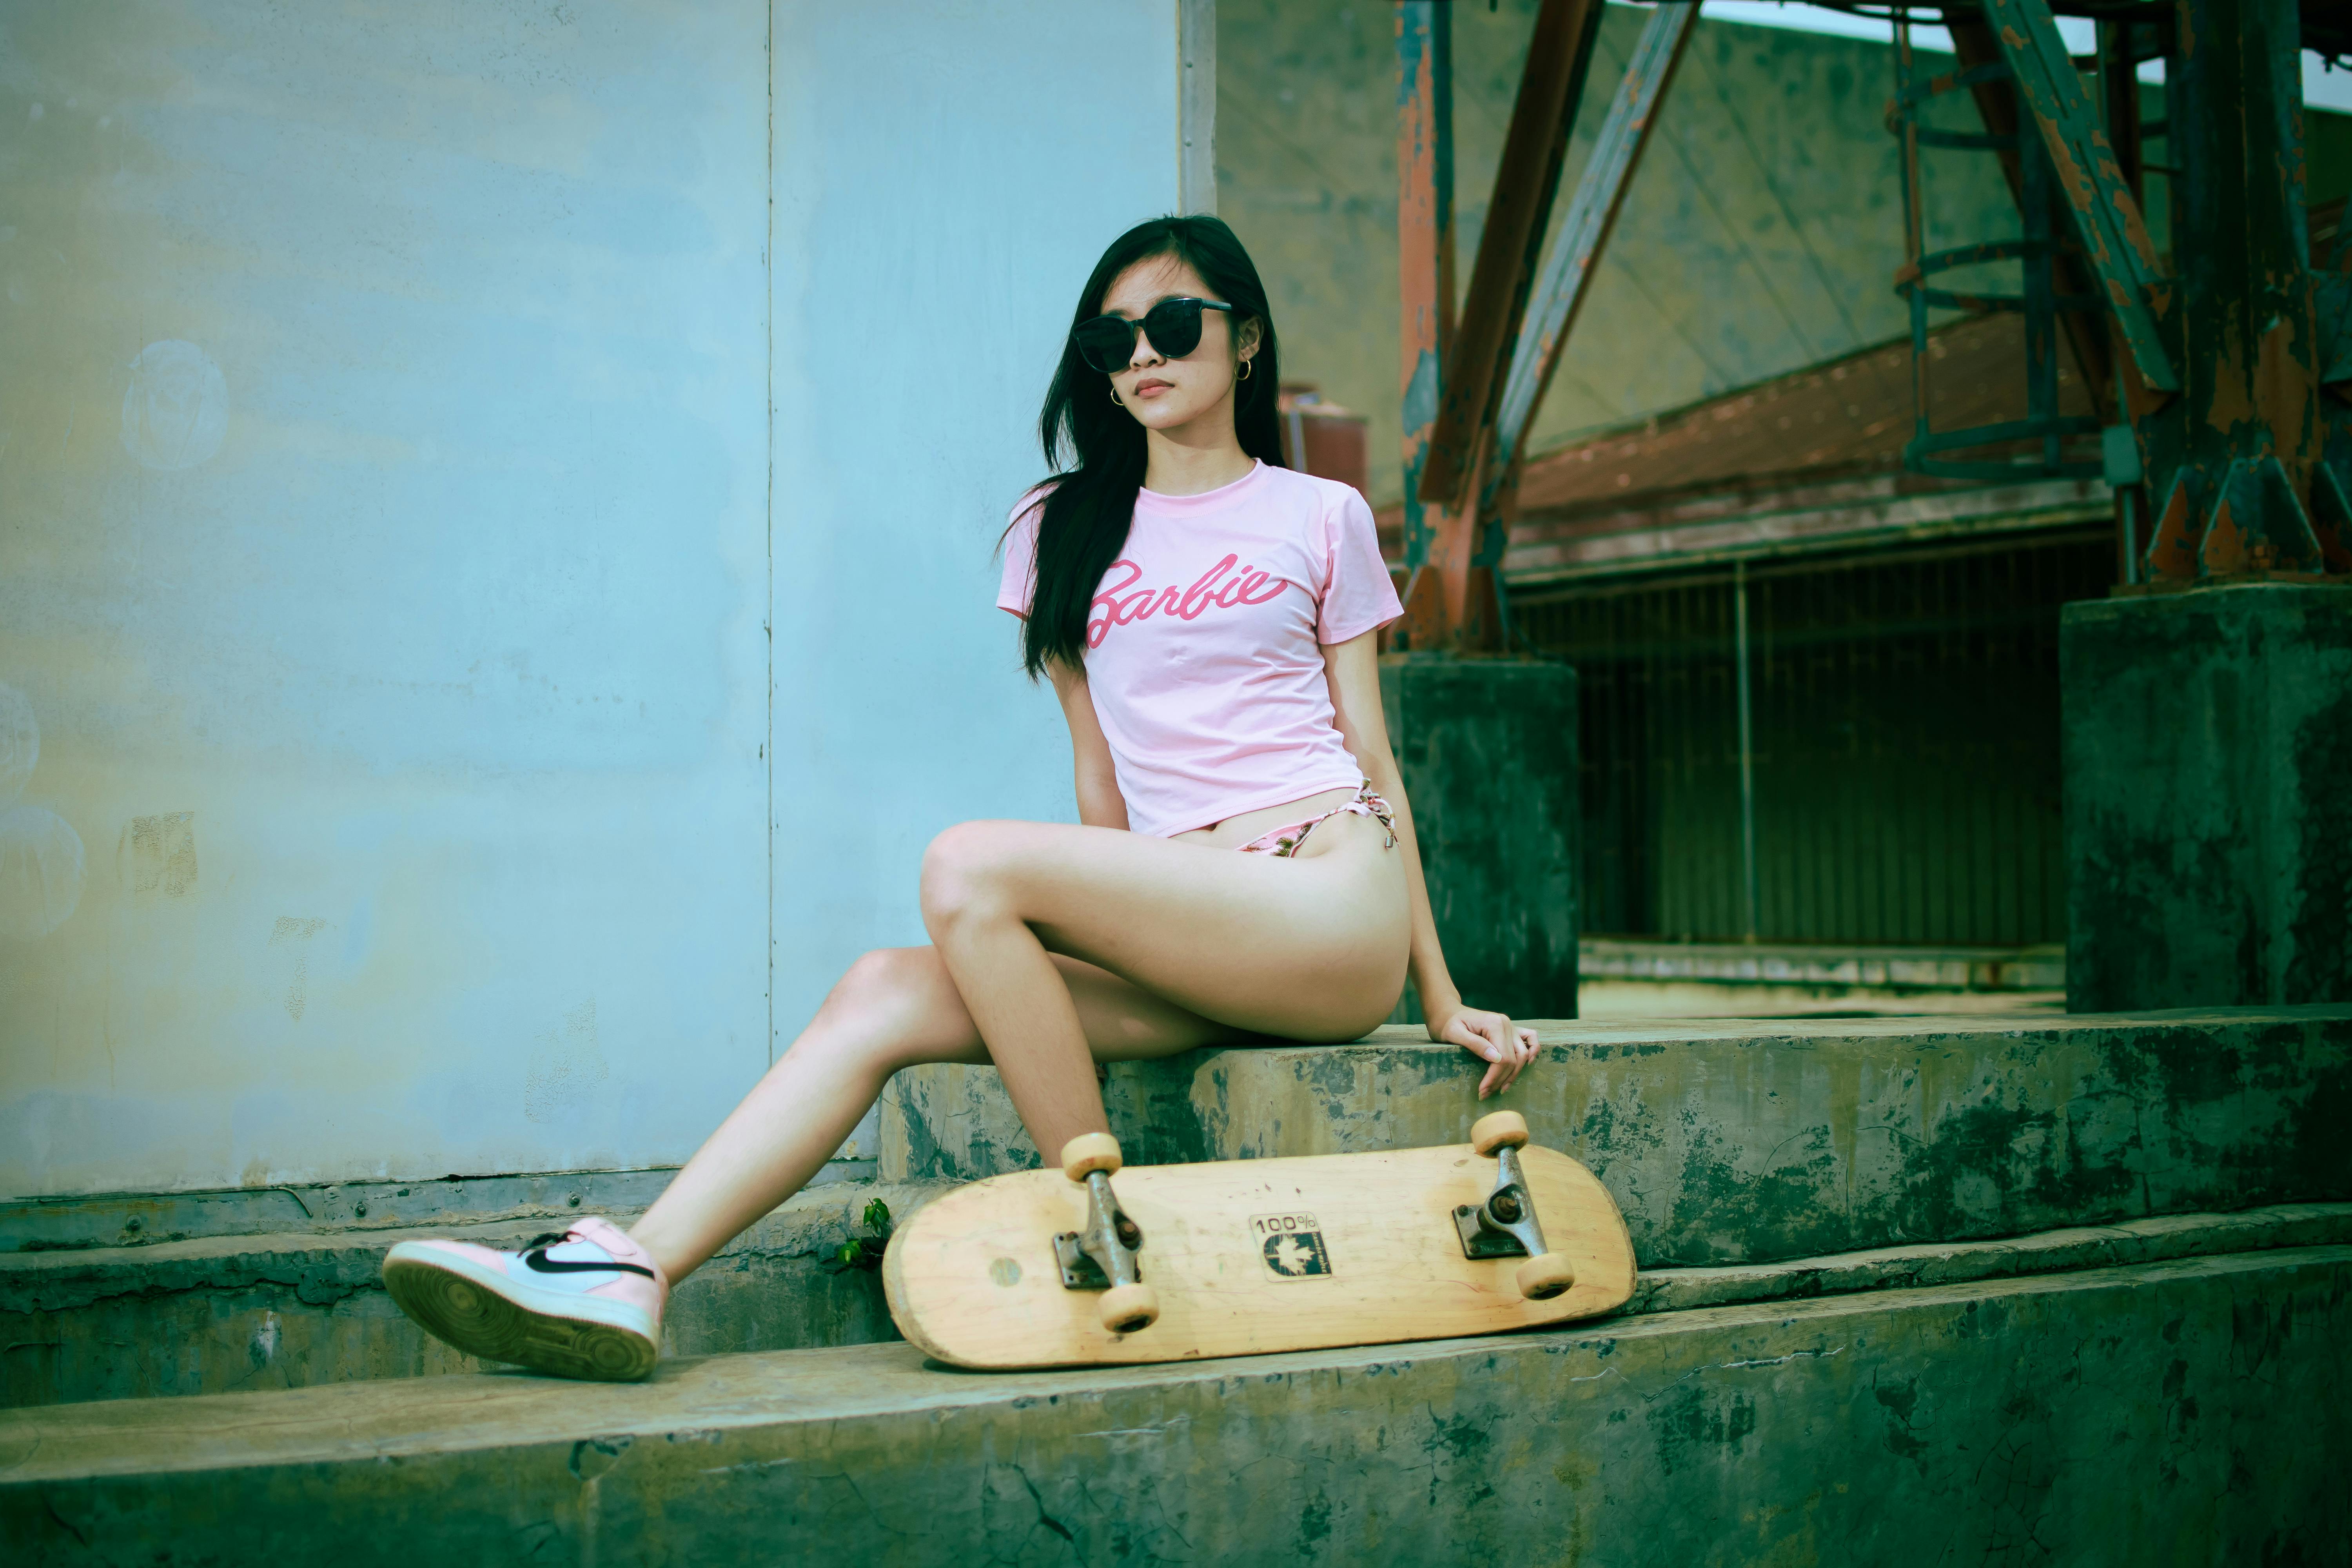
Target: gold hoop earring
{"points": [[1245, 372], [1114, 397]]}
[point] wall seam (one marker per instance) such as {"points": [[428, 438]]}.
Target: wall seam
{"points": [[768, 622], [1196, 106]]}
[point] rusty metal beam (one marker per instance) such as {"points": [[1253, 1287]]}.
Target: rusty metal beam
{"points": [[1995, 101], [2090, 179], [2119, 103], [1915, 211], [1551, 84], [1424, 40], [2118, 57], [1560, 287]]}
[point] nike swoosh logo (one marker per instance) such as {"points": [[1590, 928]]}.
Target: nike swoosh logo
{"points": [[539, 1262]]}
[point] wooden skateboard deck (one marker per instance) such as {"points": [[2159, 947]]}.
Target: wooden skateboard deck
{"points": [[1248, 1257]]}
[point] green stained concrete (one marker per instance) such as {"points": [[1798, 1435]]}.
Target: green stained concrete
{"points": [[1482, 744], [1731, 1145], [2177, 1412], [135, 1219], [2157, 1240], [2208, 744], [220, 1314], [1740, 1140], [292, 1311]]}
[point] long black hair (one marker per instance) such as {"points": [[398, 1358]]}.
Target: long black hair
{"points": [[1090, 504]]}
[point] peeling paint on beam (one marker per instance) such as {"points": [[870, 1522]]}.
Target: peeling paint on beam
{"points": [[2106, 217], [1424, 158]]}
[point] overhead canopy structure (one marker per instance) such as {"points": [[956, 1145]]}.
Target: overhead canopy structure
{"points": [[1798, 464], [2210, 362]]}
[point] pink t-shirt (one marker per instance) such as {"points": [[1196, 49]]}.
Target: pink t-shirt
{"points": [[1204, 650]]}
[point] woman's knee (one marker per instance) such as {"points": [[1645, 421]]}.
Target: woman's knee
{"points": [[962, 873], [876, 978], [895, 1005]]}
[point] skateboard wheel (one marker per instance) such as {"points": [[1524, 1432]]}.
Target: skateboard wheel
{"points": [[1126, 1307], [1502, 1130], [1540, 1279], [1089, 1152]]}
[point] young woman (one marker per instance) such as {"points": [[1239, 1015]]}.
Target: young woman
{"points": [[1245, 863]]}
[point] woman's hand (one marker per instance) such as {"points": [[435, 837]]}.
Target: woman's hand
{"points": [[1491, 1037]]}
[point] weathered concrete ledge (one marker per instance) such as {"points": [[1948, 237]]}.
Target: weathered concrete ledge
{"points": [[293, 1311], [315, 1208], [281, 1311], [1735, 1141], [1728, 1143], [311, 1208], [1620, 979], [2161, 1240], [1740, 963], [2186, 1410]]}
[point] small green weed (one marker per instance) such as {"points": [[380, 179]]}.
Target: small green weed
{"points": [[862, 1251]]}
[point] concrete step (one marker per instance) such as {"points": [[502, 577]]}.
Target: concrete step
{"points": [[1740, 963], [284, 1309], [309, 1208], [1632, 978], [2162, 1240], [1727, 1143], [1732, 1141], [2189, 1410]]}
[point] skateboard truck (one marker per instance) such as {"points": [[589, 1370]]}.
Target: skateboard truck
{"points": [[1504, 1226], [1102, 1257]]}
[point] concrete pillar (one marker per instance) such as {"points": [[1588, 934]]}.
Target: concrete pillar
{"points": [[1488, 750], [2208, 757]]}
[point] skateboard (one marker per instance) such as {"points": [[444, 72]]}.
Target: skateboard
{"points": [[1247, 1256]]}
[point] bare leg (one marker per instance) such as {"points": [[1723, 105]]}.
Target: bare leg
{"points": [[1313, 947], [1155, 947], [896, 1006]]}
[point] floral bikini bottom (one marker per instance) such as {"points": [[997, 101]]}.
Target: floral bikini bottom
{"points": [[1285, 841]]}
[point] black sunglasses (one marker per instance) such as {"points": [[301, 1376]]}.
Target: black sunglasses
{"points": [[1108, 342]]}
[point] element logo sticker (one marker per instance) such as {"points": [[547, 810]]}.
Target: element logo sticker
{"points": [[1292, 1246]]}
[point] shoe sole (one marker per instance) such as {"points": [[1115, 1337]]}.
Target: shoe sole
{"points": [[475, 1309]]}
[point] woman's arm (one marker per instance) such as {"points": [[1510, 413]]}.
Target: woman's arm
{"points": [[1099, 803], [1354, 672]]}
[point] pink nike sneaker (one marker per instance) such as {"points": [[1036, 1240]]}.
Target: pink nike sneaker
{"points": [[585, 1303]]}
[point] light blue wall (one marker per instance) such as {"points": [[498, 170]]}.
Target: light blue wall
{"points": [[399, 649], [943, 187]]}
